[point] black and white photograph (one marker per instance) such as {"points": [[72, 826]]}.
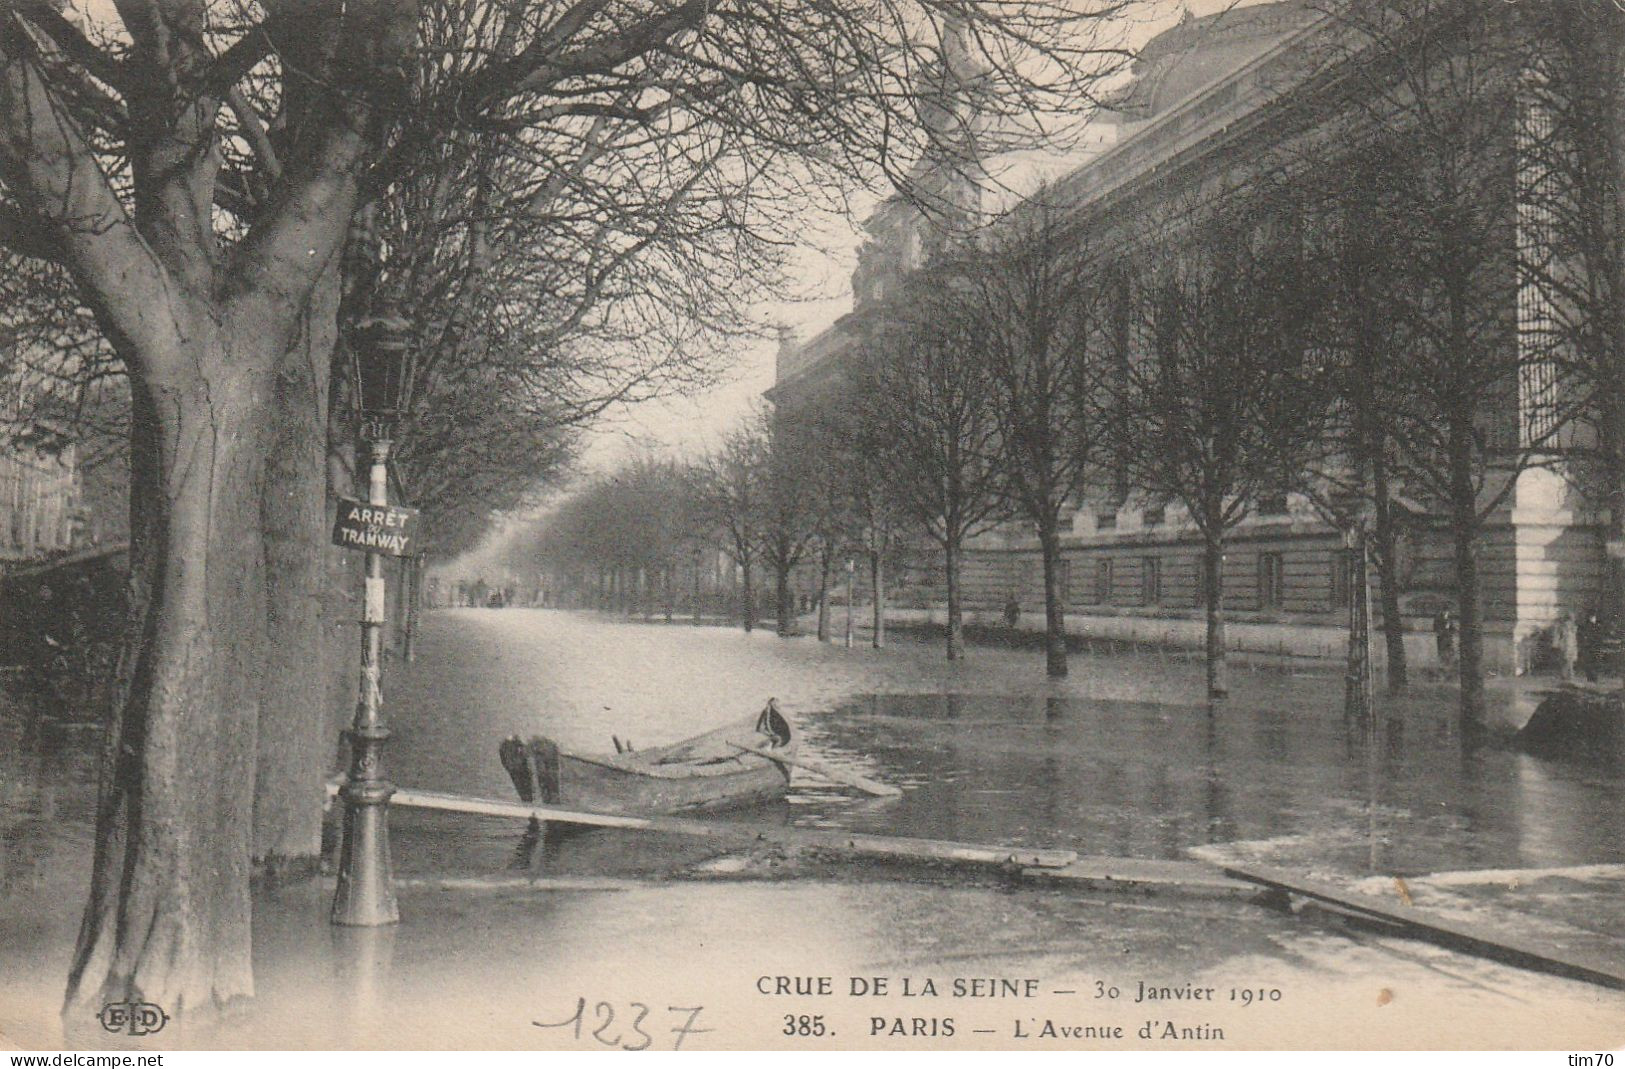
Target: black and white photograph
{"points": [[811, 525]]}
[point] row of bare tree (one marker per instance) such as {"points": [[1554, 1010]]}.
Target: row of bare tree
{"points": [[1408, 300]]}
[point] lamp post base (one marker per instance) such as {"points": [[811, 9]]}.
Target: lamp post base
{"points": [[366, 893]]}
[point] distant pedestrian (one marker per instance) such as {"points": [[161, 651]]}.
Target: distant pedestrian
{"points": [[1444, 637], [1587, 637]]}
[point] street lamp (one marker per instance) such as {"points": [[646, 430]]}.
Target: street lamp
{"points": [[366, 896], [379, 352]]}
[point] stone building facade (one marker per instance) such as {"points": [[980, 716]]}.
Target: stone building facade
{"points": [[1209, 98]]}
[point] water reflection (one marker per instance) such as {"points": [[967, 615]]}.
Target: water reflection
{"points": [[1140, 779], [363, 958]]}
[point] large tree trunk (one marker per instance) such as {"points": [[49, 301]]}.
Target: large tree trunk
{"points": [[747, 597], [1218, 669], [168, 917], [293, 740], [1054, 603], [877, 588], [956, 627]]}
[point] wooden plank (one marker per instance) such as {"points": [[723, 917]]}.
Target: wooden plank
{"points": [[938, 849], [491, 807], [1441, 930], [838, 841], [1148, 875]]}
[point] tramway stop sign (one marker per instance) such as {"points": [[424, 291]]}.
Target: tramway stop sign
{"points": [[377, 528]]}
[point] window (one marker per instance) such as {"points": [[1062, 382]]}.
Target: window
{"points": [[1272, 504], [1106, 521], [1103, 582], [1150, 580], [1271, 585], [1153, 517]]}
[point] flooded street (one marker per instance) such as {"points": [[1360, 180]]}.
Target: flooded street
{"points": [[1107, 761], [498, 941]]}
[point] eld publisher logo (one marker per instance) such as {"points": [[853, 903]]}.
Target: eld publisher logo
{"points": [[133, 1018]]}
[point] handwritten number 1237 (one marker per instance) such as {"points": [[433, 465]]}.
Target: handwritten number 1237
{"points": [[603, 1016]]}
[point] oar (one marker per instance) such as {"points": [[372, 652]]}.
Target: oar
{"points": [[883, 790]]}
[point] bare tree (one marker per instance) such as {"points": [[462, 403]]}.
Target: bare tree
{"points": [[790, 500], [1220, 400], [1439, 82], [925, 379], [877, 514], [1351, 288], [1035, 298], [822, 432], [732, 485], [476, 453]]}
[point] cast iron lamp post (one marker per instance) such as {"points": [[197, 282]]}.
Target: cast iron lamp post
{"points": [[366, 895]]}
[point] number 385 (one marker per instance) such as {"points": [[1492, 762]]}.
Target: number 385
{"points": [[803, 1024]]}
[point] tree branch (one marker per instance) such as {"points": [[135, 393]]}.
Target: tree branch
{"points": [[541, 62], [54, 176], [233, 65], [66, 36]]}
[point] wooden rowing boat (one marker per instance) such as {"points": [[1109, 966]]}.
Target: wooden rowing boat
{"points": [[739, 763]]}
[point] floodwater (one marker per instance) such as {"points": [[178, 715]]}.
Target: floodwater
{"points": [[498, 941], [1121, 758]]}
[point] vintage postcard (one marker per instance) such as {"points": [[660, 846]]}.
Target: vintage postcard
{"points": [[899, 525]]}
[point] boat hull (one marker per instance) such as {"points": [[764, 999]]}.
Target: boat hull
{"points": [[586, 784], [711, 771]]}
